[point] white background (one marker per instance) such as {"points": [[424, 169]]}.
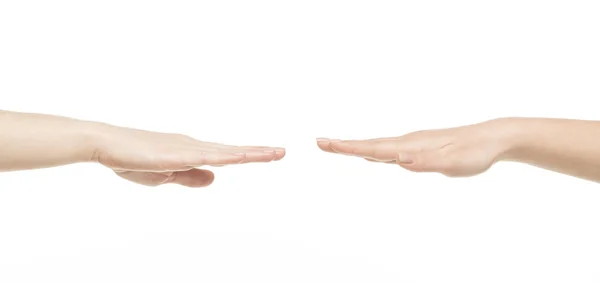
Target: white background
{"points": [[282, 73]]}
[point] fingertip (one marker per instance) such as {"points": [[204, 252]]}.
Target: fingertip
{"points": [[280, 154], [272, 154], [207, 179], [324, 146]]}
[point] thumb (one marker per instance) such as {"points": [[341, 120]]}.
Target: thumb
{"points": [[422, 161], [193, 178]]}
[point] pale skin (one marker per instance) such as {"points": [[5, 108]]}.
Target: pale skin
{"points": [[35, 141], [566, 146]]}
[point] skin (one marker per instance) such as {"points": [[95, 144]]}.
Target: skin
{"points": [[35, 141], [561, 145]]}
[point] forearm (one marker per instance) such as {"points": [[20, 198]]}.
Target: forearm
{"points": [[30, 141], [567, 146]]}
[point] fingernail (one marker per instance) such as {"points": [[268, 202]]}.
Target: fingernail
{"points": [[269, 151], [404, 158], [322, 139]]}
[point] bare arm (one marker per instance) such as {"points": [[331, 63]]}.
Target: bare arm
{"points": [[33, 141], [567, 146]]}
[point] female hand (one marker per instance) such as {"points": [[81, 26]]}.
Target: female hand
{"points": [[457, 152], [33, 141], [152, 158]]}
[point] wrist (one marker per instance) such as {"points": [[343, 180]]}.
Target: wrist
{"points": [[511, 135], [90, 140]]}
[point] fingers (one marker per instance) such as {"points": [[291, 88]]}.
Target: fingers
{"points": [[193, 178], [431, 161], [186, 159], [324, 143], [198, 158], [262, 154], [221, 158], [252, 153], [255, 152], [390, 151], [230, 155], [382, 150], [279, 151]]}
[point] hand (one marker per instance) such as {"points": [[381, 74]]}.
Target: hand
{"points": [[151, 158], [456, 152]]}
